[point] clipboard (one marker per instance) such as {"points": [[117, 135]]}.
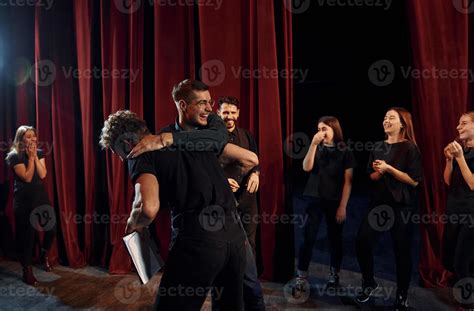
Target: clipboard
{"points": [[144, 254]]}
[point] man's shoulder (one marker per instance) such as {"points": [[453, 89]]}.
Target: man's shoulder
{"points": [[168, 128]]}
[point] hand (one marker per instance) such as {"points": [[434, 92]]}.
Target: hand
{"points": [[253, 183], [234, 185], [151, 143], [31, 150], [340, 214], [380, 166], [447, 153], [456, 150], [318, 138], [130, 226]]}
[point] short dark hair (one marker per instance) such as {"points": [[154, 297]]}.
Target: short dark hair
{"points": [[122, 122], [228, 100], [184, 90]]}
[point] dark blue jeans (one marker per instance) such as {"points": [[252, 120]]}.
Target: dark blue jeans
{"points": [[253, 294]]}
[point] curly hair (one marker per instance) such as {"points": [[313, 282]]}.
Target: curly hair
{"points": [[228, 100], [122, 122]]}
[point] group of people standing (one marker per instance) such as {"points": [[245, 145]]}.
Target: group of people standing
{"points": [[223, 174], [395, 169]]}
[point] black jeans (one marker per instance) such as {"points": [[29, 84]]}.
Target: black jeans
{"points": [[315, 209], [200, 262], [248, 212], [402, 237], [25, 204]]}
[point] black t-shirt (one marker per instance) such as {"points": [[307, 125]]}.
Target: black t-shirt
{"points": [[21, 158], [460, 196], [189, 181], [327, 176], [404, 156]]}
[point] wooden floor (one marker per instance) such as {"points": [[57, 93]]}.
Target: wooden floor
{"points": [[94, 289]]}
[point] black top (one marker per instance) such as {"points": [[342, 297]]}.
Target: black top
{"points": [[242, 138], [326, 180], [21, 158], [189, 181], [404, 156], [460, 196]]}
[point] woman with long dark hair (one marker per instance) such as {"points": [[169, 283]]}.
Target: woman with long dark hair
{"points": [[327, 192], [29, 168], [395, 169], [458, 252]]}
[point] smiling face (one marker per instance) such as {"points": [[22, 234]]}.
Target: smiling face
{"points": [[28, 138], [466, 128], [230, 114], [328, 133], [195, 112], [392, 124]]}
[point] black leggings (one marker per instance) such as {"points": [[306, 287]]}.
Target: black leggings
{"points": [[402, 237], [315, 208], [32, 211]]}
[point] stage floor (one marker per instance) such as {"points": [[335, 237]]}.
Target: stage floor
{"points": [[93, 288]]}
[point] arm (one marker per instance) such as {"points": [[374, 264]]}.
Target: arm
{"points": [[246, 158], [448, 170], [146, 203], [213, 138], [401, 176], [375, 176], [25, 173], [40, 165], [346, 193], [308, 162]]}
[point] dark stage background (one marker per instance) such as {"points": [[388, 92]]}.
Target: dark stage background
{"points": [[340, 48]]}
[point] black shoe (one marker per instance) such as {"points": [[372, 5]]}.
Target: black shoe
{"points": [[401, 301], [333, 280], [368, 288]]}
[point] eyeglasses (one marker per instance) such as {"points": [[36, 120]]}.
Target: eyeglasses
{"points": [[203, 103]]}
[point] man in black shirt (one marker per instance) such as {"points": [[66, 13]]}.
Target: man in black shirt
{"points": [[193, 131], [208, 250]]}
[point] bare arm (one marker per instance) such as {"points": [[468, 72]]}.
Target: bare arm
{"points": [[25, 172], [401, 176], [146, 204], [346, 190], [40, 165], [448, 170], [308, 161], [246, 158]]}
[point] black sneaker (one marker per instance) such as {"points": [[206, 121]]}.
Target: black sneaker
{"points": [[333, 280], [368, 289], [401, 301]]}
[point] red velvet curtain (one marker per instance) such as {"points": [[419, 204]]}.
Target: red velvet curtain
{"points": [[439, 36], [98, 53]]}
